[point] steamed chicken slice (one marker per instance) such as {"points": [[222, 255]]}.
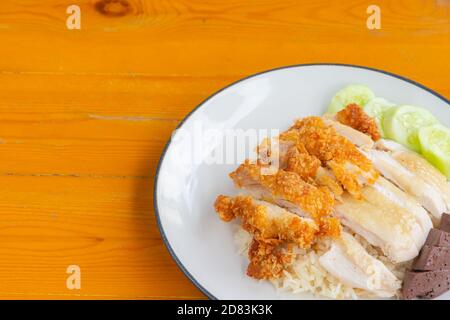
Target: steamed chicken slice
{"points": [[266, 221], [349, 262], [413, 174], [419, 165], [404, 200], [384, 196], [410, 182], [356, 137], [423, 169], [388, 145], [383, 224]]}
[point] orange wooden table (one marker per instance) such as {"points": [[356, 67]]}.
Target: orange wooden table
{"points": [[85, 114]]}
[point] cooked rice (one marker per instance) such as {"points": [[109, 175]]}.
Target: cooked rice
{"points": [[306, 274]]}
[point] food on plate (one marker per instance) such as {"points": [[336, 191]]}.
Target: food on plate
{"points": [[445, 223], [383, 224], [438, 238], [354, 93], [293, 157], [354, 116], [348, 261], [356, 137], [267, 222], [435, 146], [267, 259], [409, 181], [350, 167], [428, 285], [430, 274], [402, 124], [285, 188], [405, 201], [411, 126], [376, 108], [412, 173], [433, 258], [332, 208]]}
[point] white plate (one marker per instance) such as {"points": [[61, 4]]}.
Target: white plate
{"points": [[186, 186]]}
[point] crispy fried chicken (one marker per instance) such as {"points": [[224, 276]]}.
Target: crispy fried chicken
{"points": [[350, 167], [267, 222], [355, 117]]}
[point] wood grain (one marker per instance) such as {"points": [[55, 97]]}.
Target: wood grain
{"points": [[51, 222], [85, 114]]}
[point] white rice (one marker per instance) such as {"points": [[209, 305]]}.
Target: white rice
{"points": [[307, 275]]}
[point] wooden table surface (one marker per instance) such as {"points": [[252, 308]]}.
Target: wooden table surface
{"points": [[85, 114]]}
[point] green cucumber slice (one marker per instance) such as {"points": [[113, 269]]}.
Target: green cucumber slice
{"points": [[435, 145], [376, 108], [403, 123], [354, 93]]}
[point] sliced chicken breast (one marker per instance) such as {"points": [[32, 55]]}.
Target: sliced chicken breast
{"points": [[427, 172], [383, 224], [417, 164], [354, 136], [410, 182], [349, 262], [381, 196], [402, 199], [388, 145]]}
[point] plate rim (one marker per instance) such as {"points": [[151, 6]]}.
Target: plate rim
{"points": [[166, 147]]}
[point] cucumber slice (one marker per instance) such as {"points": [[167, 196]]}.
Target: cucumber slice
{"points": [[354, 93], [402, 124], [435, 145], [376, 108]]}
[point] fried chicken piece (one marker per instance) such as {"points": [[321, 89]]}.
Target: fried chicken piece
{"points": [[304, 164], [289, 191], [266, 221], [294, 157], [329, 227], [354, 116], [325, 143], [272, 151], [268, 259], [351, 168], [286, 189], [309, 168], [326, 178], [275, 231]]}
